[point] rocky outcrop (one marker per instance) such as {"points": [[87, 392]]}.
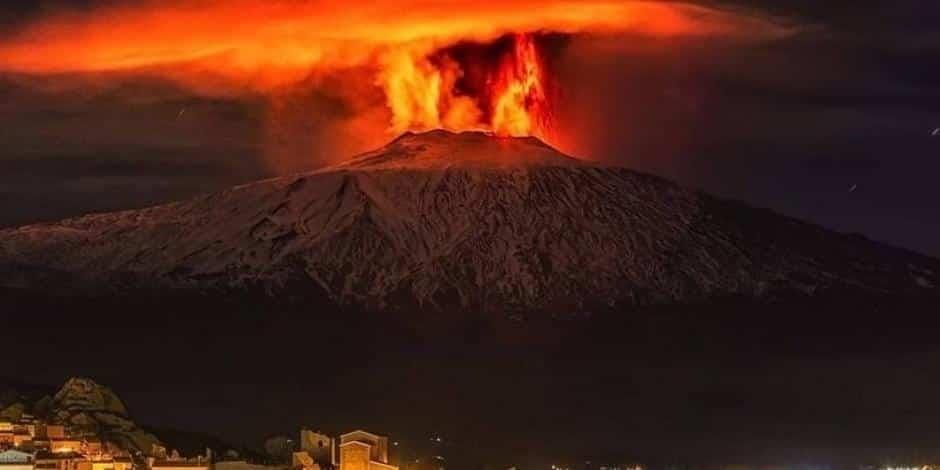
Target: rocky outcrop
{"points": [[462, 221], [90, 409], [86, 395]]}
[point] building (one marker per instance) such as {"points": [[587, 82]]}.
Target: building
{"points": [[46, 460], [40, 444], [303, 461], [198, 464], [107, 463], [361, 450], [92, 447], [319, 447], [50, 431], [244, 465], [26, 425], [175, 462], [6, 433], [64, 445], [16, 460], [22, 437]]}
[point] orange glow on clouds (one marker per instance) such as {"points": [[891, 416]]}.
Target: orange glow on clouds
{"points": [[264, 44]]}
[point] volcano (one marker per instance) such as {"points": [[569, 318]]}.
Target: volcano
{"points": [[471, 221], [499, 290]]}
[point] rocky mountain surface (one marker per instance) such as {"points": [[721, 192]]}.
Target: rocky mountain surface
{"points": [[91, 409], [470, 221]]}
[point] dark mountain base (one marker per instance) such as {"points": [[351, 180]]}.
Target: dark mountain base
{"points": [[828, 378]]}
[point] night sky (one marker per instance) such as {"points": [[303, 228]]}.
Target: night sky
{"points": [[830, 123]]}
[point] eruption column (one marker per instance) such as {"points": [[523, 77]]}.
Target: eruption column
{"points": [[506, 96]]}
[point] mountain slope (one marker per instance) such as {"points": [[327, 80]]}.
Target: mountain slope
{"points": [[443, 220]]}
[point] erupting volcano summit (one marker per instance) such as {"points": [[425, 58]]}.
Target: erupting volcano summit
{"points": [[460, 221], [502, 87]]}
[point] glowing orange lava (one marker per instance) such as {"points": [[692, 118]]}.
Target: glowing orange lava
{"points": [[522, 106], [426, 94]]}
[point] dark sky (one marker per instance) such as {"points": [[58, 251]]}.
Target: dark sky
{"points": [[791, 124]]}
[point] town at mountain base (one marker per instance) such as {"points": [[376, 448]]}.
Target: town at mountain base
{"points": [[82, 415], [85, 426]]}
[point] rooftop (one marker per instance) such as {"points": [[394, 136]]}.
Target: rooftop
{"points": [[46, 455], [178, 463]]}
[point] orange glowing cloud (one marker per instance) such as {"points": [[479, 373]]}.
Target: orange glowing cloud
{"points": [[285, 34], [265, 44]]}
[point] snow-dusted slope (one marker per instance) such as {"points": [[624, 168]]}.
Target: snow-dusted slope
{"points": [[441, 219]]}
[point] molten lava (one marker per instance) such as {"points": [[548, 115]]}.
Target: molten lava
{"points": [[506, 95], [521, 107]]}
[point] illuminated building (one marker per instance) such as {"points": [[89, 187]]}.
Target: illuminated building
{"points": [[319, 447], [21, 438], [302, 460], [120, 463], [26, 425], [49, 431], [16, 460], [179, 465], [244, 465], [175, 462], [59, 460], [6, 433], [64, 445], [361, 450], [92, 447]]}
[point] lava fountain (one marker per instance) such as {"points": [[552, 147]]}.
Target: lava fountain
{"points": [[501, 87]]}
